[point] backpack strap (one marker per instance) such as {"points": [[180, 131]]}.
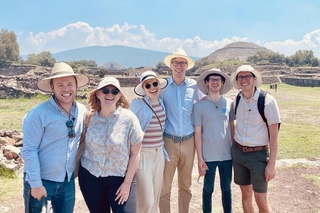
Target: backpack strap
{"points": [[261, 101], [237, 103]]}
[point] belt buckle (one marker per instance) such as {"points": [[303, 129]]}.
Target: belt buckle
{"points": [[244, 149]]}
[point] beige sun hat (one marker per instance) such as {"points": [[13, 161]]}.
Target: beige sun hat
{"points": [[109, 81], [246, 68], [60, 70], [179, 53], [204, 88], [146, 76]]}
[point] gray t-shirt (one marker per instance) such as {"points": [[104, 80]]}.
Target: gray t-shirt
{"points": [[214, 118]]}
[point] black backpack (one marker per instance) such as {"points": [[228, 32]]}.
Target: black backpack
{"points": [[261, 100]]}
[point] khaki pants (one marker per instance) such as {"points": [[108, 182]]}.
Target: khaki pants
{"points": [[181, 156], [149, 179]]}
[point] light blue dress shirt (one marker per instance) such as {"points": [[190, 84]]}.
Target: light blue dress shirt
{"points": [[179, 100], [47, 150]]}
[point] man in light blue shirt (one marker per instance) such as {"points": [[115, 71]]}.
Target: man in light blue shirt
{"points": [[51, 138], [179, 97]]}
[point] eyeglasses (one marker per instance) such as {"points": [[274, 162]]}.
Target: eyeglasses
{"points": [[176, 63], [247, 77], [155, 84], [71, 132], [106, 90], [215, 80]]}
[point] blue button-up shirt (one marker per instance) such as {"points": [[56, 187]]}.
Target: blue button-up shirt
{"points": [[179, 100], [47, 150]]}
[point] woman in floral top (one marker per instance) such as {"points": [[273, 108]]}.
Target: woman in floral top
{"points": [[112, 151]]}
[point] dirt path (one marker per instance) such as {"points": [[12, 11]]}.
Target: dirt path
{"points": [[296, 189]]}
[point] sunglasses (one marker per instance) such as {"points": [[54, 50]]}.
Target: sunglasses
{"points": [[71, 132], [155, 84], [106, 90]]}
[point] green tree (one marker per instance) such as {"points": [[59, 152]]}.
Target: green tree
{"points": [[42, 59], [9, 47]]}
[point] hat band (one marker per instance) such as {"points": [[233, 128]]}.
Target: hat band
{"points": [[147, 77]]}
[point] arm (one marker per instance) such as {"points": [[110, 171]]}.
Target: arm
{"points": [[273, 143], [33, 132], [233, 130], [202, 166], [123, 191]]}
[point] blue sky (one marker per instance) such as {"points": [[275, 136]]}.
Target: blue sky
{"points": [[200, 27]]}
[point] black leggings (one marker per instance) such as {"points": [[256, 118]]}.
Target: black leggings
{"points": [[100, 193]]}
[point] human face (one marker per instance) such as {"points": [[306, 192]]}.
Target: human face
{"points": [[152, 88], [108, 95], [245, 80], [214, 84], [64, 89], [179, 67]]}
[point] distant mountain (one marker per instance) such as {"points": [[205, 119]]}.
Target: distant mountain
{"points": [[235, 51], [122, 55]]}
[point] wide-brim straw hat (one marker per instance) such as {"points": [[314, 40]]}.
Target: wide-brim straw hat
{"points": [[146, 76], [61, 70], [246, 68], [179, 53], [204, 88], [109, 81]]}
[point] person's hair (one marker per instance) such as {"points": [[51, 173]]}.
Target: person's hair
{"points": [[95, 103], [223, 79]]}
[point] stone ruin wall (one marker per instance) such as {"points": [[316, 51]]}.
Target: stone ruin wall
{"points": [[20, 81]]}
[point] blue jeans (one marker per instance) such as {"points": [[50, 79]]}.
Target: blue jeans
{"points": [[225, 173], [61, 194]]}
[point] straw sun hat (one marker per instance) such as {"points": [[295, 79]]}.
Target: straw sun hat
{"points": [[179, 53], [60, 70], [204, 88], [246, 68], [109, 81], [146, 76]]}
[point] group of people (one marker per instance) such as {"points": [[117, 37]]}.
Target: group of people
{"points": [[131, 151]]}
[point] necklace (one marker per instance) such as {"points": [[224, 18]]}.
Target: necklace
{"points": [[57, 101], [213, 100]]}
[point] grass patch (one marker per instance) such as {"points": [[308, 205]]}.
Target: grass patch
{"points": [[8, 190], [5, 173]]}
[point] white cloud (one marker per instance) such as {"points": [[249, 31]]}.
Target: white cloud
{"points": [[80, 34], [310, 41]]}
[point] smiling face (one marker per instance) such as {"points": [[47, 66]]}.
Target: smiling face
{"points": [[152, 88], [64, 89], [179, 67], [214, 83], [245, 81], [108, 95]]}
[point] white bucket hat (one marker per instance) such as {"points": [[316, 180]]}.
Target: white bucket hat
{"points": [[204, 88], [109, 81], [179, 53], [246, 68], [60, 70], [145, 76]]}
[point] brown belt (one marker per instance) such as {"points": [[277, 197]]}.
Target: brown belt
{"points": [[248, 148]]}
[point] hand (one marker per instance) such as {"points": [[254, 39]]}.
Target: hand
{"points": [[39, 192], [270, 172], [123, 193], [202, 167]]}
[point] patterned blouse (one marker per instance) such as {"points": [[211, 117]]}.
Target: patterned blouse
{"points": [[108, 142]]}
